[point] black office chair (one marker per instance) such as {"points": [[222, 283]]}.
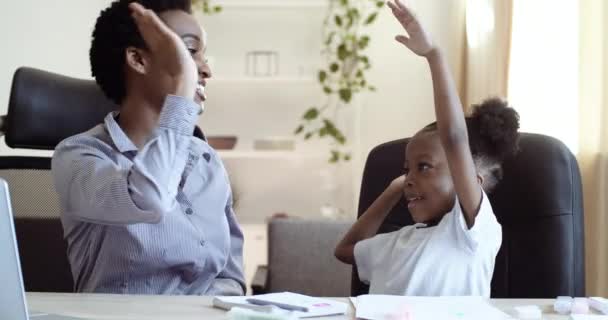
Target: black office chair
{"points": [[45, 108], [538, 203]]}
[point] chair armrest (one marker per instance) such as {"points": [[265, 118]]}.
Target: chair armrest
{"points": [[258, 284]]}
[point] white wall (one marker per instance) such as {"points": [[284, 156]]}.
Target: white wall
{"points": [[537, 46], [401, 106], [404, 100], [53, 35], [403, 103]]}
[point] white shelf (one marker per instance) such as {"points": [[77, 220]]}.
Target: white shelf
{"points": [[271, 3], [263, 79], [259, 154]]}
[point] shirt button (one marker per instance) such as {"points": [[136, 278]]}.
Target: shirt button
{"points": [[189, 211], [202, 242]]}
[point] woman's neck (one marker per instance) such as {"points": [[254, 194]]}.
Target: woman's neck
{"points": [[138, 119]]}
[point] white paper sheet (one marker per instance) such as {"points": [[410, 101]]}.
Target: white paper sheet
{"points": [[588, 317], [384, 307], [317, 307]]}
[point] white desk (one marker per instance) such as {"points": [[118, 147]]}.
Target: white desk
{"points": [[102, 306]]}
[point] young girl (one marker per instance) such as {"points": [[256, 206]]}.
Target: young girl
{"points": [[449, 167]]}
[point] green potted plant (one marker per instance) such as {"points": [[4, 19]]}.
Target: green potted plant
{"points": [[343, 76], [207, 7]]}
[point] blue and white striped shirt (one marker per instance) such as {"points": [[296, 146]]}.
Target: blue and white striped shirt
{"points": [[153, 221]]}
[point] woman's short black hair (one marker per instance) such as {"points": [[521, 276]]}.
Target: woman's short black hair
{"points": [[493, 136], [114, 32]]}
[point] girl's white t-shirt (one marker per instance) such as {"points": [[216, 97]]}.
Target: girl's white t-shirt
{"points": [[445, 260]]}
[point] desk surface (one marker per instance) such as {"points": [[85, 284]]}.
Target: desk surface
{"points": [[103, 306]]}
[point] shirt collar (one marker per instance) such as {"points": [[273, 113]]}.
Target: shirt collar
{"points": [[118, 136]]}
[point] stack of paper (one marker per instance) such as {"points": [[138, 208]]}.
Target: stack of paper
{"points": [[382, 307], [317, 307]]}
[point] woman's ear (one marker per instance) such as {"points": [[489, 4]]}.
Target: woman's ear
{"points": [[480, 179], [136, 60]]}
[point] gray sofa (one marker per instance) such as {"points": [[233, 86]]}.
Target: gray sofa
{"points": [[301, 259]]}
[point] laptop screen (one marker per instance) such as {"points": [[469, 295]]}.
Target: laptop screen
{"points": [[12, 295]]}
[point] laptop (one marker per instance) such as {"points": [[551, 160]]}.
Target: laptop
{"points": [[12, 293]]}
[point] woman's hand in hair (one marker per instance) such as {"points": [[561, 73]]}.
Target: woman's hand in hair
{"points": [[168, 53]]}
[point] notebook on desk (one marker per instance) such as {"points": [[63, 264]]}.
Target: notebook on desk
{"points": [[315, 307], [12, 293]]}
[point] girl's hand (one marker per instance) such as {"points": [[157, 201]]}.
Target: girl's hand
{"points": [[398, 184], [417, 40]]}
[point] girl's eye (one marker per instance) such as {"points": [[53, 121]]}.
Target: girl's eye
{"points": [[424, 167]]}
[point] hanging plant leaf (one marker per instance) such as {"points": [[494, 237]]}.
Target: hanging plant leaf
{"points": [[363, 42], [299, 129], [346, 95], [349, 22], [342, 52], [330, 37], [206, 7], [339, 137], [322, 76], [344, 73], [335, 156], [334, 132], [334, 67], [311, 114], [371, 18], [323, 132], [338, 20]]}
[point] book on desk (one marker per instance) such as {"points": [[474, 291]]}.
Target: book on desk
{"points": [[301, 305]]}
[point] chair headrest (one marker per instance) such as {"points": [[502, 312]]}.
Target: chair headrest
{"points": [[541, 180], [45, 108]]}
